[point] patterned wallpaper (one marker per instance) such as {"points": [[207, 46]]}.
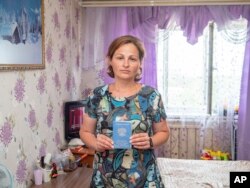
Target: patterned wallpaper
{"points": [[31, 102]]}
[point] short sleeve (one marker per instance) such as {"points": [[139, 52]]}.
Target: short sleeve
{"points": [[159, 113], [93, 101], [91, 106]]}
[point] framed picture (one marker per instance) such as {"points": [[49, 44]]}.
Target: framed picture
{"points": [[21, 34]]}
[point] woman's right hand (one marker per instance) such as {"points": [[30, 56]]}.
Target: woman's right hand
{"points": [[103, 143]]}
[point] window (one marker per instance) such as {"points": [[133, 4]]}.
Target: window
{"points": [[204, 77]]}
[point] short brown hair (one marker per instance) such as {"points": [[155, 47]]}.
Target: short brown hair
{"points": [[118, 42]]}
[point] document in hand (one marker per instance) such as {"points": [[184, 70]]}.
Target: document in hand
{"points": [[122, 131]]}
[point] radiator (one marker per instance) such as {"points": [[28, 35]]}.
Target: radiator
{"points": [[188, 137]]}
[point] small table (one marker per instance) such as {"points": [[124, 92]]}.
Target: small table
{"points": [[81, 177]]}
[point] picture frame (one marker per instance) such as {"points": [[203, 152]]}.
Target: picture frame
{"points": [[22, 35]]}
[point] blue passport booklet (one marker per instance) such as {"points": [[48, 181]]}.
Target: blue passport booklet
{"points": [[122, 131]]}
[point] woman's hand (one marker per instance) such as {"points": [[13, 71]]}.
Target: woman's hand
{"points": [[140, 141], [103, 143]]}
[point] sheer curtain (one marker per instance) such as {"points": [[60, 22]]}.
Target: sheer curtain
{"points": [[102, 25]]}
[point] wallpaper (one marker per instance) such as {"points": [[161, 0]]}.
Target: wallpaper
{"points": [[31, 102]]}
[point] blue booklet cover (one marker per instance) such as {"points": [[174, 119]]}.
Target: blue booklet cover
{"points": [[122, 131]]}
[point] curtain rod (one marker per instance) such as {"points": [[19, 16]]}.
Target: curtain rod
{"points": [[128, 3]]}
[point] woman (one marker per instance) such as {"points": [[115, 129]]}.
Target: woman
{"points": [[125, 100]]}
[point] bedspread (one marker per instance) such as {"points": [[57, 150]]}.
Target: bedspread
{"points": [[181, 173]]}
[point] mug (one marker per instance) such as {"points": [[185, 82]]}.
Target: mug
{"points": [[47, 175]]}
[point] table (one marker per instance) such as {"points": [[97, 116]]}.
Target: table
{"points": [[80, 177]]}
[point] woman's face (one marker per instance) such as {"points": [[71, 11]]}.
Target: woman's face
{"points": [[126, 62], [127, 159]]}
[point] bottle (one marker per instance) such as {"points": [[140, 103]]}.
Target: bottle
{"points": [[225, 110]]}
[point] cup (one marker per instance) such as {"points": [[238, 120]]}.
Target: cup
{"points": [[38, 175], [47, 175]]}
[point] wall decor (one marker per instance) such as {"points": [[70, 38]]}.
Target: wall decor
{"points": [[21, 34]]}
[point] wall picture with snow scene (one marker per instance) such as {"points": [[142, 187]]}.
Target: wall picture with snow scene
{"points": [[21, 34]]}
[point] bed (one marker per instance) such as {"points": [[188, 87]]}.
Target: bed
{"points": [[181, 173]]}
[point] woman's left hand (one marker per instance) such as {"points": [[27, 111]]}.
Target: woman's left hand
{"points": [[140, 141]]}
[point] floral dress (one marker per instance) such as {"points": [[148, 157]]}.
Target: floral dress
{"points": [[125, 167]]}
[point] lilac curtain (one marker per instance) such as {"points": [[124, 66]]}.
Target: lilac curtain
{"points": [[191, 19], [243, 143], [144, 21]]}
